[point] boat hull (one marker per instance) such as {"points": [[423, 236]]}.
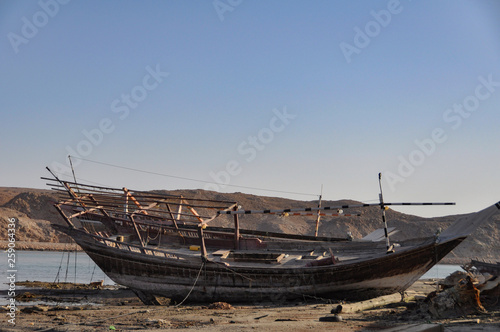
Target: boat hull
{"points": [[151, 276], [484, 267]]}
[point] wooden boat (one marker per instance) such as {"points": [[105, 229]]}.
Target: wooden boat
{"points": [[163, 246], [486, 267]]}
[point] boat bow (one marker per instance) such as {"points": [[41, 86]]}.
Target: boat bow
{"points": [[466, 225]]}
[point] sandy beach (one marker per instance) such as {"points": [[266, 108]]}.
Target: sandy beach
{"points": [[70, 307]]}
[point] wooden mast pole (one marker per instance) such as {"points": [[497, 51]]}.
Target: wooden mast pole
{"points": [[72, 169], [68, 188], [236, 229], [319, 215], [203, 248], [383, 207]]}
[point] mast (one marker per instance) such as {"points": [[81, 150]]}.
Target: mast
{"points": [[72, 169], [319, 214], [236, 229], [68, 188], [390, 249]]}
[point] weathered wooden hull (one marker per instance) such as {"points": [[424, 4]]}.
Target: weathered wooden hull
{"points": [[150, 275], [484, 267]]}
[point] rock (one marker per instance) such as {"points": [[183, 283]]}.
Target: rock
{"points": [[334, 318], [337, 309]]}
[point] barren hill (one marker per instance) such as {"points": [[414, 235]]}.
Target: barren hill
{"points": [[34, 209]]}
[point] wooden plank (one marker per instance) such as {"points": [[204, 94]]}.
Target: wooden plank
{"points": [[193, 211], [172, 216], [179, 209], [373, 303], [136, 230], [318, 217], [84, 212], [68, 221]]}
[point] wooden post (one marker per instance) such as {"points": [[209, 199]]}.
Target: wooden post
{"points": [[202, 243], [319, 215], [236, 230], [172, 216], [179, 209], [126, 203], [136, 230]]}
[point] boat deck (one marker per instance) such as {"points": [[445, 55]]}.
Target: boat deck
{"points": [[256, 258]]}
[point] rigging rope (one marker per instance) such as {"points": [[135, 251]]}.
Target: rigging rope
{"points": [[191, 179], [92, 276], [196, 280], [56, 279], [157, 235], [67, 266], [76, 252]]}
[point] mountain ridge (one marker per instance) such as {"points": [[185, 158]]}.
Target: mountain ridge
{"points": [[35, 212]]}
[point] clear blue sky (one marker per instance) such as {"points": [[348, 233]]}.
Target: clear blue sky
{"points": [[281, 95]]}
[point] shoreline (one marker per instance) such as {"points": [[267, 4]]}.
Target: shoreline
{"points": [[42, 246]]}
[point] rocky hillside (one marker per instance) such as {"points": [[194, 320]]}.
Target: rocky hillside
{"points": [[33, 208]]}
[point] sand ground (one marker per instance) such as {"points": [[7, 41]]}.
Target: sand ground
{"points": [[66, 307]]}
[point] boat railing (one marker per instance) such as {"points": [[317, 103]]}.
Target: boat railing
{"points": [[137, 248]]}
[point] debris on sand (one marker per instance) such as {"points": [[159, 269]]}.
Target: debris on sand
{"points": [[27, 296], [460, 300], [220, 305], [157, 323]]}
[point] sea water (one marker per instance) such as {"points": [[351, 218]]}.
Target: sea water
{"points": [[52, 266], [441, 271]]}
